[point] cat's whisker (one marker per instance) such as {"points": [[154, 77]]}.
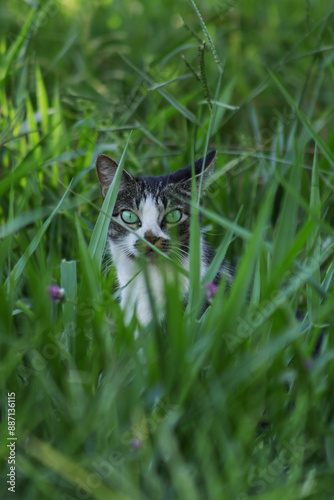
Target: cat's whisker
{"points": [[177, 250], [106, 262], [180, 259]]}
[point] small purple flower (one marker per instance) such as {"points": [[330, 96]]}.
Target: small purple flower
{"points": [[308, 365], [211, 291], [135, 444], [55, 293]]}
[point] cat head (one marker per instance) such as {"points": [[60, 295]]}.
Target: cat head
{"points": [[155, 208]]}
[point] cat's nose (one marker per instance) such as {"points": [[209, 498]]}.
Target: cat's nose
{"points": [[151, 238]]}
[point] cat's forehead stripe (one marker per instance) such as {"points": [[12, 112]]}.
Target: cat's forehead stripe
{"points": [[153, 188], [150, 214], [152, 185], [150, 205]]}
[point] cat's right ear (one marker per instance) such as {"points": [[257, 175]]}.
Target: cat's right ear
{"points": [[106, 169]]}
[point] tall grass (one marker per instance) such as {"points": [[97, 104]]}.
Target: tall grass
{"points": [[233, 404]]}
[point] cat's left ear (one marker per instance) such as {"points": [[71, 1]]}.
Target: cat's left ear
{"points": [[106, 169], [183, 176]]}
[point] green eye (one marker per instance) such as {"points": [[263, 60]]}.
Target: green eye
{"points": [[129, 217], [174, 216]]}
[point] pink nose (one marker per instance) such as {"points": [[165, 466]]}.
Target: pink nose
{"points": [[151, 238]]}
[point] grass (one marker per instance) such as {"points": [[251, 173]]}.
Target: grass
{"points": [[233, 405]]}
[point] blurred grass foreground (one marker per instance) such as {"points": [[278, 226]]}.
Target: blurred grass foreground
{"points": [[238, 404]]}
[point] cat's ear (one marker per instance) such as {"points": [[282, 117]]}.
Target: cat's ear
{"points": [[209, 164], [106, 169], [183, 176]]}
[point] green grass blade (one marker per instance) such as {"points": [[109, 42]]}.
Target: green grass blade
{"points": [[287, 224], [195, 251], [243, 233], [99, 237], [220, 254], [245, 271], [317, 139], [86, 262], [70, 471], [68, 281], [212, 119], [205, 30], [26, 166], [20, 265], [172, 100], [42, 100], [16, 46], [313, 243], [164, 84]]}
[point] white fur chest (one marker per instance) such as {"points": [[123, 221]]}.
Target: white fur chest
{"points": [[135, 297], [134, 287]]}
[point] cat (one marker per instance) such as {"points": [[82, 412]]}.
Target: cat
{"points": [[155, 208]]}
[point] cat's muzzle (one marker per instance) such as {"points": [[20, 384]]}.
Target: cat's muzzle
{"points": [[147, 250]]}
